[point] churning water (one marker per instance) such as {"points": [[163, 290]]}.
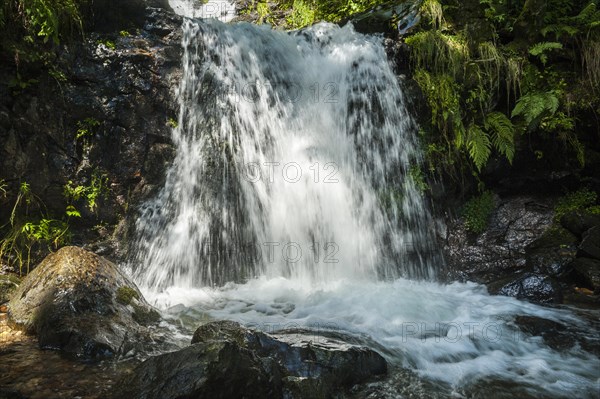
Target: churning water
{"points": [[294, 201]]}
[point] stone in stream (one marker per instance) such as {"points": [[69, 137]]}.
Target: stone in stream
{"points": [[529, 286], [590, 244], [227, 360], [80, 303]]}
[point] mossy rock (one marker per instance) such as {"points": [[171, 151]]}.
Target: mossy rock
{"points": [[126, 294]]}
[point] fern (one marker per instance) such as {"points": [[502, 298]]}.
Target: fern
{"points": [[503, 134], [540, 50], [479, 146], [533, 106]]}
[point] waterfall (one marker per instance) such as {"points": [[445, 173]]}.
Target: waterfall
{"points": [[296, 157], [294, 201]]}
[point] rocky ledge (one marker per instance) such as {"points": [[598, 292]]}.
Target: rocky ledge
{"points": [[525, 253], [227, 360]]}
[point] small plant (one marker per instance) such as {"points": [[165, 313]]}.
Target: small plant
{"points": [[91, 193], [477, 212], [23, 232], [87, 127], [124, 33], [262, 8], [3, 186], [126, 294], [582, 200], [172, 123], [107, 43]]}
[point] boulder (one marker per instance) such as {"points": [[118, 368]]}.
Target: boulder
{"points": [[580, 221], [552, 253], [586, 273], [227, 360], [501, 250], [80, 303], [530, 286], [590, 244]]}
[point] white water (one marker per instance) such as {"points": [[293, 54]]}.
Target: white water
{"points": [[223, 10], [325, 242]]}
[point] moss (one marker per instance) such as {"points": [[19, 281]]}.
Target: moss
{"points": [[582, 200], [144, 315], [477, 212], [126, 294]]}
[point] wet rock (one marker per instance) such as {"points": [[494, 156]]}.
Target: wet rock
{"points": [[8, 283], [227, 360], [578, 222], [501, 250], [533, 287], [127, 89], [587, 273], [590, 244], [73, 301], [553, 253]]}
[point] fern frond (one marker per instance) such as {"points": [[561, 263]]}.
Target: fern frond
{"points": [[503, 134], [533, 106], [479, 146], [540, 50]]}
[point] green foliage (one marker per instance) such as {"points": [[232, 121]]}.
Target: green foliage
{"points": [[485, 81], [21, 235], [477, 212], [262, 8], [479, 146], [126, 294], [540, 50], [432, 10], [503, 134], [582, 200], [89, 193], [533, 106], [46, 19], [439, 52], [107, 43], [87, 127], [302, 15], [173, 123], [417, 178], [442, 94]]}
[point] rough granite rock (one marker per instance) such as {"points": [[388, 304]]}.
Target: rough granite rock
{"points": [[226, 360], [501, 250], [81, 304]]}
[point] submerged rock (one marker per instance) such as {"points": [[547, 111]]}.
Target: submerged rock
{"points": [[227, 360], [82, 304]]}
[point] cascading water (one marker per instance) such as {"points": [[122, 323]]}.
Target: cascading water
{"points": [[293, 201], [288, 147]]}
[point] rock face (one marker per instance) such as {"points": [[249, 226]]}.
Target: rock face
{"points": [[525, 254], [80, 303], [501, 249], [120, 89], [226, 360]]}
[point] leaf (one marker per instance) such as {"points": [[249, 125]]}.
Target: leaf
{"points": [[503, 134], [540, 50], [533, 106], [479, 146], [71, 211]]}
